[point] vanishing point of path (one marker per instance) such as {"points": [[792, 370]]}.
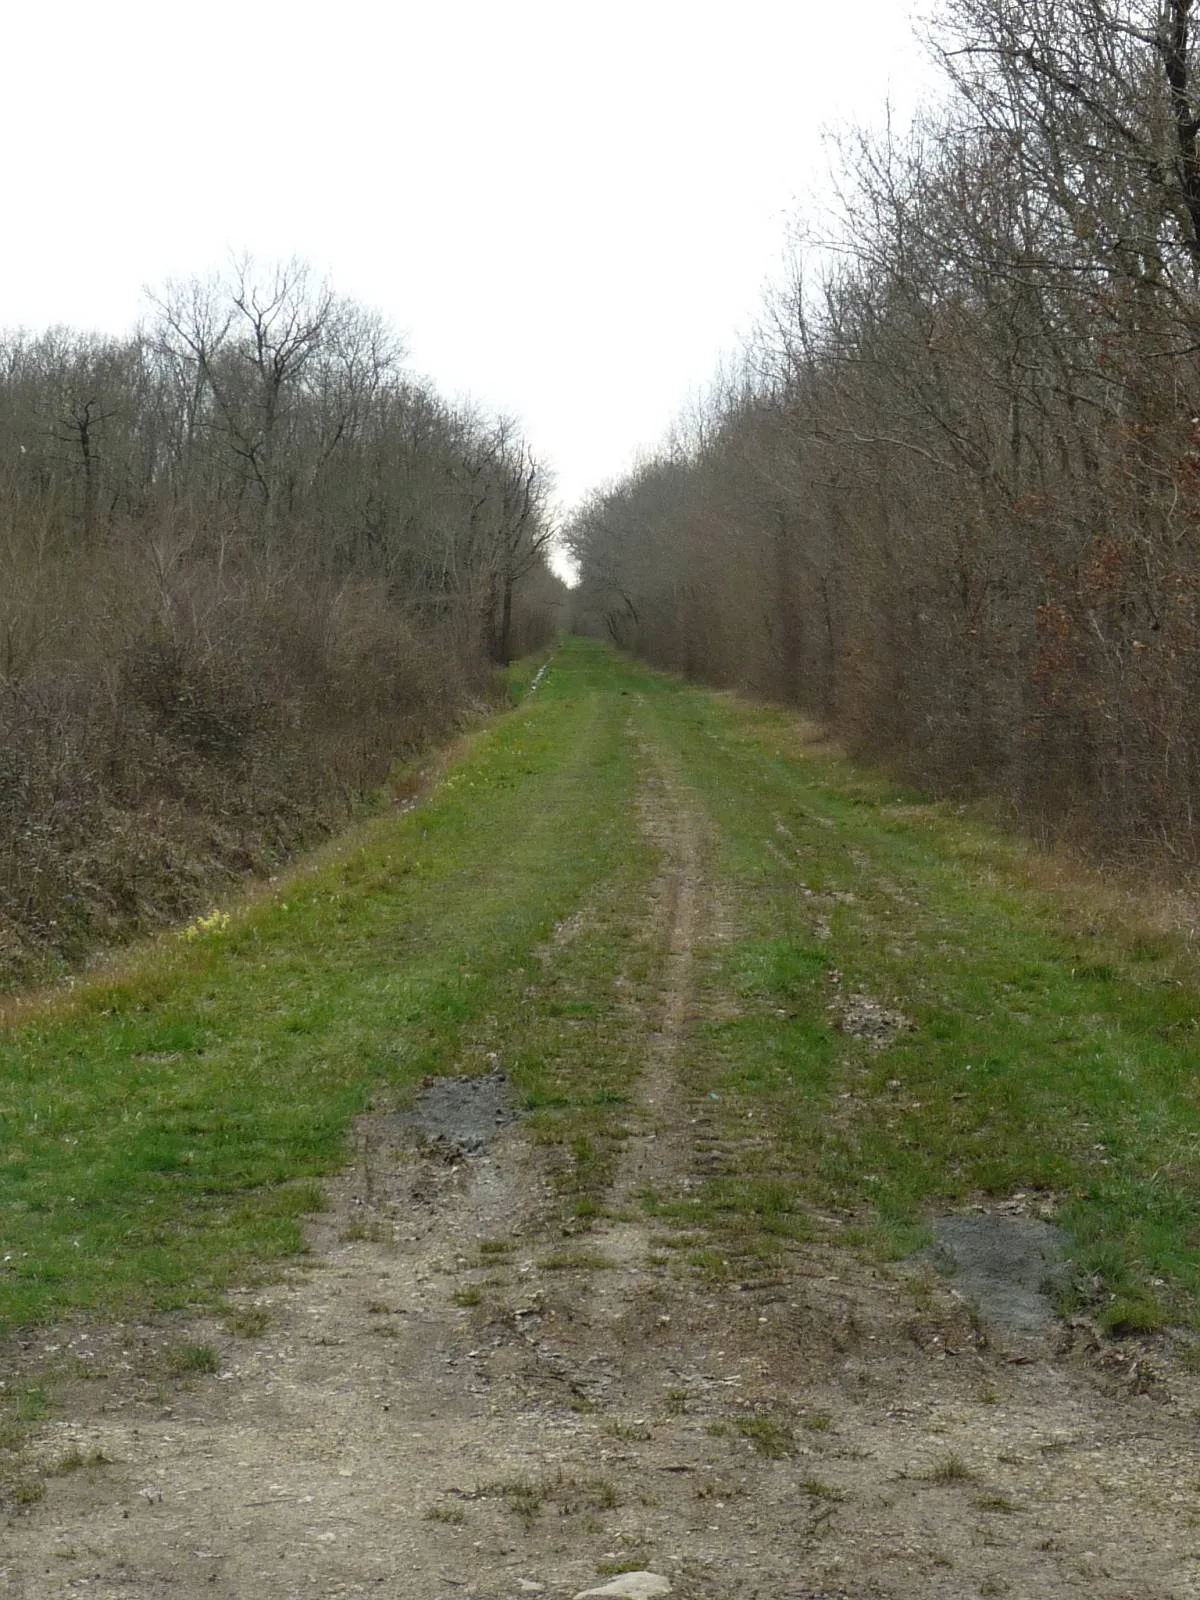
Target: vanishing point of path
{"points": [[652, 1290]]}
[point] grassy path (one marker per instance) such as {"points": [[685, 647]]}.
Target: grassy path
{"points": [[1036, 1047], [164, 1131], [766, 1016]]}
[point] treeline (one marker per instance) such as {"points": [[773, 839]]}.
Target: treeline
{"points": [[246, 561], [952, 503]]}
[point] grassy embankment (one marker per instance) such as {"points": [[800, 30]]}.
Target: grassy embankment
{"points": [[164, 1129]]}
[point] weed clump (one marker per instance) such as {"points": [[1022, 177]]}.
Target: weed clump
{"points": [[769, 1436], [950, 1468], [193, 1360]]}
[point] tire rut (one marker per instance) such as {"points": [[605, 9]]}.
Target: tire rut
{"points": [[435, 1410]]}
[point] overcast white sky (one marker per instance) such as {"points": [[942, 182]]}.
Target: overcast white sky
{"points": [[569, 208]]}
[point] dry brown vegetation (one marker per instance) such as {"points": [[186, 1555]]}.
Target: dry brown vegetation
{"points": [[245, 563], [951, 505]]}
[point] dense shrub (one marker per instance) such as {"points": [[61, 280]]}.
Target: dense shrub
{"points": [[246, 564], [952, 503]]}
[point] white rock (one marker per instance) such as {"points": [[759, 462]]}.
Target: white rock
{"points": [[629, 1586]]}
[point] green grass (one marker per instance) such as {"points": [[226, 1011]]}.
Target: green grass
{"points": [[949, 1468], [768, 1435], [248, 1322], [32, 1405], [165, 1128], [193, 1360], [1001, 1503], [528, 1498], [1053, 1052], [455, 1516], [576, 1261], [519, 675], [820, 1490]]}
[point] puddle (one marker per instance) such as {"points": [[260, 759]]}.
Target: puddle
{"points": [[1008, 1267], [462, 1114]]}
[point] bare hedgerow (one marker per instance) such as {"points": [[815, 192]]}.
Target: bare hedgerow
{"points": [[246, 561], [949, 506]]}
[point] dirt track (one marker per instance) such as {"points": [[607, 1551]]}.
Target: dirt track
{"points": [[826, 1429]]}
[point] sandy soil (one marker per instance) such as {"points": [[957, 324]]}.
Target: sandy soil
{"points": [[823, 1430]]}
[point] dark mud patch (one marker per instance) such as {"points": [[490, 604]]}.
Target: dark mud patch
{"points": [[1008, 1267], [461, 1115], [861, 1017]]}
